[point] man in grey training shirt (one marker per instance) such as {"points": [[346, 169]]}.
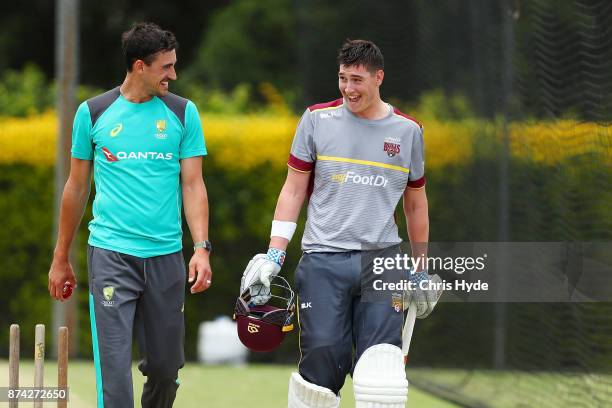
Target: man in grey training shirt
{"points": [[354, 159]]}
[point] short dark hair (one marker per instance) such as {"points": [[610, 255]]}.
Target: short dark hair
{"points": [[361, 52], [143, 41]]}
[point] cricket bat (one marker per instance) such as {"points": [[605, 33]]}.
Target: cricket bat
{"points": [[408, 329]]}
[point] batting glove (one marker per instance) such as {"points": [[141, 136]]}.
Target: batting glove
{"points": [[259, 272], [423, 299]]}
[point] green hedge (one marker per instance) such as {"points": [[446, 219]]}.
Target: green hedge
{"points": [[568, 201]]}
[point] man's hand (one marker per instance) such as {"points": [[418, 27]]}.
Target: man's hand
{"points": [[259, 272], [427, 290], [74, 199], [61, 275], [199, 271]]}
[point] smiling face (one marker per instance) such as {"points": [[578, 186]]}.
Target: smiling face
{"points": [[155, 77], [360, 89]]}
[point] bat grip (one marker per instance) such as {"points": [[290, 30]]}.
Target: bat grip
{"points": [[408, 328]]}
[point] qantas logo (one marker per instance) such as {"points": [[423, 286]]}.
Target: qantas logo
{"points": [[110, 157], [144, 156]]}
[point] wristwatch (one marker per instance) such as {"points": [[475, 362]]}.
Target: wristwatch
{"points": [[203, 244]]}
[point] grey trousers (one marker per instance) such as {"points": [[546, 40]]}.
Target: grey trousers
{"points": [[340, 316], [144, 297]]}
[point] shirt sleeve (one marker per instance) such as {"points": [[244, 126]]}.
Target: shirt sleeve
{"points": [[416, 177], [82, 142], [193, 143], [303, 156]]}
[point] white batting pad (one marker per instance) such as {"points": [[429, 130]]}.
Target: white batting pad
{"points": [[379, 380], [303, 394]]}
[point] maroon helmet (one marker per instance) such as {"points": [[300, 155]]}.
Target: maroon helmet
{"points": [[263, 327]]}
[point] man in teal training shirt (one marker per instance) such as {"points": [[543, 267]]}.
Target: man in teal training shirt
{"points": [[145, 147]]}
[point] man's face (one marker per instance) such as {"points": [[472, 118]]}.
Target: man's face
{"points": [[360, 88], [156, 76]]}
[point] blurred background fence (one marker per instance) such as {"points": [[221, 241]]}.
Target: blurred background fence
{"points": [[516, 100]]}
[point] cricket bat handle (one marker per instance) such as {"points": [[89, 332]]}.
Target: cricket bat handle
{"points": [[408, 329]]}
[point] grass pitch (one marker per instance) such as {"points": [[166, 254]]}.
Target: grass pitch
{"points": [[513, 388], [254, 386]]}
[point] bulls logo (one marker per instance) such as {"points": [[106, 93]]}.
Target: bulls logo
{"points": [[391, 148], [397, 302]]}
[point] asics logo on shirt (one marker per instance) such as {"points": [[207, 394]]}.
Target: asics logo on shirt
{"points": [[115, 131], [366, 180]]}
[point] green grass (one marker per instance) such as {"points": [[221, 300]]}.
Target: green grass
{"points": [[265, 386], [256, 386], [512, 388]]}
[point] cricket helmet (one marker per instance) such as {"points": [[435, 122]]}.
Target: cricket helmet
{"points": [[263, 327]]}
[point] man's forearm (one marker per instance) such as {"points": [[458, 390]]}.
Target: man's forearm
{"points": [[195, 202], [287, 209], [417, 221], [72, 207]]}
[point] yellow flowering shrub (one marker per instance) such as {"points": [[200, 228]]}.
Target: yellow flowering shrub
{"points": [[548, 143], [244, 141], [28, 140], [448, 143], [237, 141]]}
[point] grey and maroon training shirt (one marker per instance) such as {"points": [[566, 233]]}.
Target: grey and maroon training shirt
{"points": [[360, 169]]}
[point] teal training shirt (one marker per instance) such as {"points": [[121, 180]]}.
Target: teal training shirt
{"points": [[136, 150]]}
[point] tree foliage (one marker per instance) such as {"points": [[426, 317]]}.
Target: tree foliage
{"points": [[250, 41]]}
